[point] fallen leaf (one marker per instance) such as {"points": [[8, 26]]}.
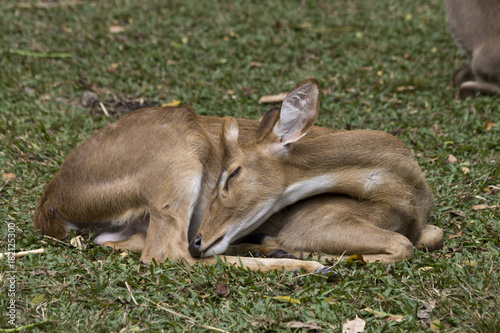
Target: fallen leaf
{"points": [[356, 258], [403, 88], [116, 29], [256, 64], [459, 234], [472, 109], [77, 241], [113, 66], [248, 90], [452, 159], [326, 91], [299, 324], [489, 125], [8, 176], [479, 207], [174, 102], [385, 315], [425, 268], [38, 299], [273, 98], [435, 128], [330, 300], [491, 189], [287, 299], [424, 314], [89, 99], [222, 289], [435, 324], [357, 325], [465, 170], [471, 263], [457, 213]]}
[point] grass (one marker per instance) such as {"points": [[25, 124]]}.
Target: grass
{"points": [[383, 65]]}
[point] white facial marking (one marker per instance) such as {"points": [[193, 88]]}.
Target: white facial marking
{"points": [[262, 212], [197, 209], [218, 248], [222, 179]]}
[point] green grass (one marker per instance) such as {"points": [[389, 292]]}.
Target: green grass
{"points": [[383, 65]]}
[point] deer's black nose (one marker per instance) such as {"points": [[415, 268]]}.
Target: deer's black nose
{"points": [[194, 246]]}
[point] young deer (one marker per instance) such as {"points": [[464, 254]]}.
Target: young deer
{"points": [[378, 200], [476, 27], [148, 181]]}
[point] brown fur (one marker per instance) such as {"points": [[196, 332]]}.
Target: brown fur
{"points": [[476, 26], [382, 221], [139, 176]]}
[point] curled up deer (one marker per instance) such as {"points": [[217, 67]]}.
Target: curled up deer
{"points": [[475, 25], [173, 184]]}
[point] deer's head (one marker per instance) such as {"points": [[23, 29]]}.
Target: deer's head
{"points": [[255, 181]]}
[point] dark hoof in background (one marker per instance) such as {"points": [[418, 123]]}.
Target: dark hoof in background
{"points": [[280, 254]]}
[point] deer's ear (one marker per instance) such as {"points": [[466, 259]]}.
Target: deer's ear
{"points": [[229, 135], [268, 121], [298, 112]]}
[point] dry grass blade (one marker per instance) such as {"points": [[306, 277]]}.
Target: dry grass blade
{"points": [[191, 320], [130, 292]]}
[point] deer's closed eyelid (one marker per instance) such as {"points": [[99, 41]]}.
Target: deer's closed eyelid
{"points": [[232, 175]]}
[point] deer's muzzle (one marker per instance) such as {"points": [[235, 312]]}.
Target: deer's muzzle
{"points": [[195, 246]]}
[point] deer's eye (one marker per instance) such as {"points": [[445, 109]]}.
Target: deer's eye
{"points": [[231, 176]]}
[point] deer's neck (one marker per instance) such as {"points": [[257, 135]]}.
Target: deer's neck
{"points": [[354, 163]]}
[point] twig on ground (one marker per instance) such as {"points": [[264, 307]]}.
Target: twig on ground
{"points": [[272, 98], [23, 253], [104, 109], [56, 240]]}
